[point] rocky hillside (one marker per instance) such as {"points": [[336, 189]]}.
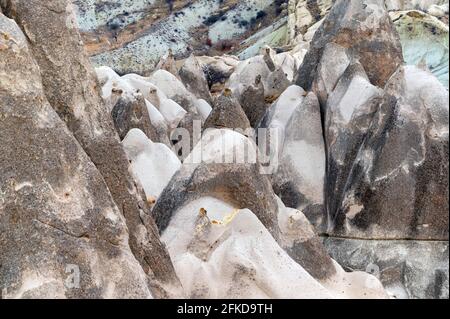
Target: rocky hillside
{"points": [[140, 161], [131, 36]]}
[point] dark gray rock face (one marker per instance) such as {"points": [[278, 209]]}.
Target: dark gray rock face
{"points": [[407, 269], [193, 77], [398, 185], [61, 234], [299, 180], [227, 113], [334, 62], [131, 112], [299, 239], [253, 102], [349, 114], [365, 29], [72, 89]]}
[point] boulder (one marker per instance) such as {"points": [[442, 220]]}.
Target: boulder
{"points": [[167, 63], [365, 29], [268, 68], [203, 108], [131, 112], [220, 251], [334, 62], [152, 164], [279, 114], [217, 70], [223, 165], [408, 269], [300, 241]]}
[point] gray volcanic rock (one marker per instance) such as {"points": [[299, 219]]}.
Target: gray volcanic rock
{"points": [[334, 62], [131, 112], [398, 185], [253, 102], [349, 114], [299, 180], [72, 89], [241, 184], [365, 29], [407, 269], [193, 77], [227, 113], [61, 234], [299, 239]]}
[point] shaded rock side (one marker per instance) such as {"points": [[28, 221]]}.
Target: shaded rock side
{"points": [[398, 185], [363, 27], [61, 234], [407, 269], [72, 89], [299, 180], [209, 171], [227, 113]]}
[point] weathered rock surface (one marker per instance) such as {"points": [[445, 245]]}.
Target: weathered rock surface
{"points": [[268, 68], [61, 234], [299, 180], [334, 62], [227, 113], [371, 38], [403, 159], [424, 41], [73, 91], [407, 269], [223, 165], [224, 252], [152, 164], [218, 69], [206, 229], [279, 114], [303, 14], [349, 115], [253, 102], [194, 79], [131, 112]]}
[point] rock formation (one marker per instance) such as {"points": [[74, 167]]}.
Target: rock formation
{"points": [[62, 235], [313, 164], [72, 90]]}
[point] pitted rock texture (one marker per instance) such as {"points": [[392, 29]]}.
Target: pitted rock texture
{"points": [[72, 89], [56, 213]]}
